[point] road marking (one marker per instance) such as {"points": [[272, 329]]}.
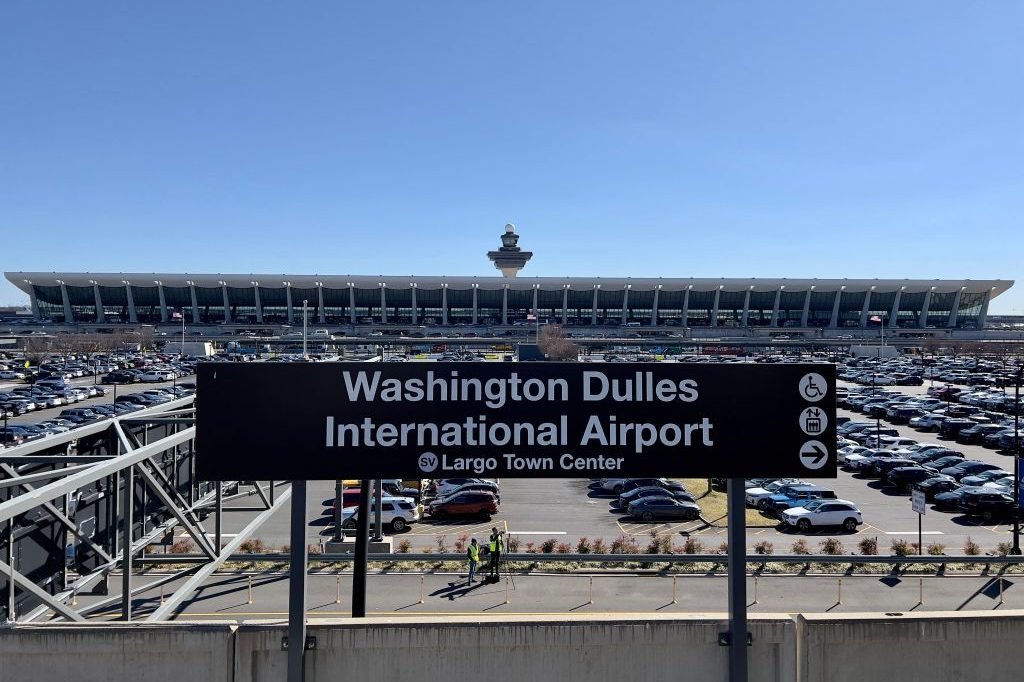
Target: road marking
{"points": [[914, 532], [540, 532]]}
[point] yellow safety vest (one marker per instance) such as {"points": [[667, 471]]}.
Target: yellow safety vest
{"points": [[496, 544], [474, 553]]}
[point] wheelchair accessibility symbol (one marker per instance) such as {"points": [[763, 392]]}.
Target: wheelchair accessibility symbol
{"points": [[813, 387]]}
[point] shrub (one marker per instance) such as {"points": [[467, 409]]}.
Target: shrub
{"points": [[530, 549], [723, 548], [286, 549], [404, 545], [971, 548], [442, 543], [254, 546], [653, 547], [868, 546], [563, 548], [548, 546], [693, 545], [583, 545], [764, 547], [460, 543], [427, 550], [513, 544], [624, 545], [900, 547], [183, 546], [831, 546], [599, 546], [665, 543], [800, 547], [1003, 548], [935, 549], [315, 549]]}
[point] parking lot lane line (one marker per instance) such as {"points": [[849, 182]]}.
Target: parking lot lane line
{"points": [[541, 532], [914, 532]]}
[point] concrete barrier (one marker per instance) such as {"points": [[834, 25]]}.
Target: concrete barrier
{"points": [[932, 647], [517, 648], [108, 652]]}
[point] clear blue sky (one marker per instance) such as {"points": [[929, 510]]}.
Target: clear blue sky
{"points": [[799, 139]]}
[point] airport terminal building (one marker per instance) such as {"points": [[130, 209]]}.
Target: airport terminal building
{"points": [[348, 300]]}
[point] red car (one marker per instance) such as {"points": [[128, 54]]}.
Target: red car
{"points": [[469, 503]]}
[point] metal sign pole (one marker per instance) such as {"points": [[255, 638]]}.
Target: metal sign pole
{"points": [[737, 636], [359, 569], [378, 510], [297, 584]]}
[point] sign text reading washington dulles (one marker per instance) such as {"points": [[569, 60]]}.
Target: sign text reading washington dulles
{"points": [[560, 420]]}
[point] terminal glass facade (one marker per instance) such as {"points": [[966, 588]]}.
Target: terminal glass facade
{"points": [[211, 304], [50, 301], [939, 308], [819, 314], [243, 304], [701, 305], [147, 303], [908, 314], [761, 305], [399, 305], [880, 305], [460, 306], [367, 303], [851, 307], [83, 303], [520, 304], [968, 314], [730, 308], [791, 308], [670, 307], [488, 305], [274, 302], [428, 306], [115, 303]]}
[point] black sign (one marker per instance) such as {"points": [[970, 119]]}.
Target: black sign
{"points": [[532, 420]]}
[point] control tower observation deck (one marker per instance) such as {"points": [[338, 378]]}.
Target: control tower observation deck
{"points": [[510, 259]]}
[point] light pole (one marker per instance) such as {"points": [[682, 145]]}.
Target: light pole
{"points": [[305, 307], [1016, 459]]}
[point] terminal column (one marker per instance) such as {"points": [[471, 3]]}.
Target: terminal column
{"points": [[746, 308], [775, 307], [593, 310], [195, 304], [34, 300], [955, 310], [99, 301], [69, 313], [984, 310], [535, 311], [654, 307], [444, 303], [383, 303], [807, 308], [625, 304], [894, 313], [132, 315], [162, 299], [259, 304], [288, 301], [834, 322], [865, 309], [922, 321], [686, 306], [227, 302], [714, 307], [351, 303], [415, 311], [504, 304], [476, 312]]}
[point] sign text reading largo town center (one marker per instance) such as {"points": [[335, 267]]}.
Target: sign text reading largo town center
{"points": [[555, 420]]}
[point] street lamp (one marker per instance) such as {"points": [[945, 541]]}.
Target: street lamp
{"points": [[1016, 458]]}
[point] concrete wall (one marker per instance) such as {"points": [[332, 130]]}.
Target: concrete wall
{"points": [[518, 649], [102, 652], [932, 647]]}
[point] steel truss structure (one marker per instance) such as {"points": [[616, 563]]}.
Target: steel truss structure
{"points": [[79, 506]]}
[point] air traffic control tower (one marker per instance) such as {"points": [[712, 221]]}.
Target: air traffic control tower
{"points": [[510, 259]]}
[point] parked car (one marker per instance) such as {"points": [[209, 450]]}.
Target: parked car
{"points": [[397, 512], [623, 501], [936, 486], [663, 508], [472, 503], [824, 513], [987, 504]]}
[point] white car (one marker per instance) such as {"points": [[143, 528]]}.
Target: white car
{"points": [[824, 513], [397, 512], [758, 497]]}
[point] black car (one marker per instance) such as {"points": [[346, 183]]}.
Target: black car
{"points": [[664, 508], [944, 461], [936, 486], [950, 501], [635, 483], [954, 425], [881, 468], [907, 476], [650, 491], [967, 468], [977, 433], [987, 504]]}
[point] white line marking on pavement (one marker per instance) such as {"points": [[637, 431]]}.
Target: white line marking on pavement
{"points": [[914, 532], [538, 532]]}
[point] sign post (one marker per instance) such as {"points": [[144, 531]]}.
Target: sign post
{"points": [[919, 503], [543, 420]]}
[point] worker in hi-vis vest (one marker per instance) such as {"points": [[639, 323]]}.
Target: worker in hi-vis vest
{"points": [[474, 558], [496, 547]]}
